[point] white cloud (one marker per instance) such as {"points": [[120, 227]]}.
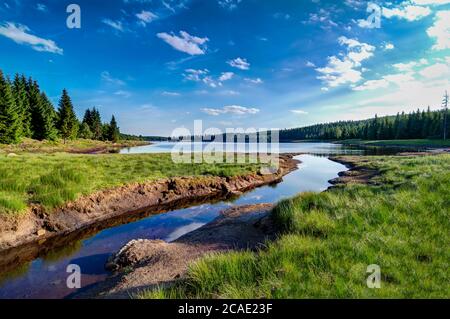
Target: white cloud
{"points": [[433, 75], [436, 71], [230, 109], [226, 76], [301, 112], [254, 81], [344, 70], [117, 25], [146, 17], [355, 3], [388, 46], [229, 4], [185, 42], [239, 63], [385, 82], [203, 76], [20, 34], [195, 75], [106, 76], [41, 7], [431, 2], [123, 93], [310, 64], [323, 17], [441, 30], [167, 93], [408, 12], [229, 92], [408, 67]]}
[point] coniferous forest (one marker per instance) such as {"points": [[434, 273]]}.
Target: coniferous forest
{"points": [[26, 112], [423, 124]]}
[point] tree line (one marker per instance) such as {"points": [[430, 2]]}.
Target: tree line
{"points": [[26, 112], [415, 125]]}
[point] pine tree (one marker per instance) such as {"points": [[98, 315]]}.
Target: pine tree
{"points": [[67, 120], [36, 110], [87, 118], [96, 124], [85, 131], [9, 117], [48, 115], [22, 104], [114, 133]]}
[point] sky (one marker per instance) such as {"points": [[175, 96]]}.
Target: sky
{"points": [[158, 65]]}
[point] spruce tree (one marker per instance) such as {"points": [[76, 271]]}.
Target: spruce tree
{"points": [[67, 120], [36, 110], [96, 125], [85, 131], [114, 133], [48, 120], [22, 104], [9, 115]]}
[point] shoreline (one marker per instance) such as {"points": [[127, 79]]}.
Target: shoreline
{"points": [[156, 263], [37, 232]]}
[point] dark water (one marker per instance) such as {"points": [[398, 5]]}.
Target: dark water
{"points": [[45, 276]]}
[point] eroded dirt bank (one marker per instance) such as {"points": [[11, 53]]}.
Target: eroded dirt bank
{"points": [[34, 230], [142, 264], [357, 172]]}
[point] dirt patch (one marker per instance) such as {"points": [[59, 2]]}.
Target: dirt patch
{"points": [[37, 228], [142, 264], [357, 172]]}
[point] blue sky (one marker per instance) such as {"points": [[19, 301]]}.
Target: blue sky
{"points": [[158, 65]]}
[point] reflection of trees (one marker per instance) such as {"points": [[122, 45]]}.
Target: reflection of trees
{"points": [[65, 251], [15, 272]]}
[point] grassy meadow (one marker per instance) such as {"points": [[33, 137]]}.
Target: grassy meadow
{"points": [[328, 239], [80, 145], [432, 143], [54, 179]]}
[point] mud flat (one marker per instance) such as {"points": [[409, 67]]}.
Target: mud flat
{"points": [[38, 231]]}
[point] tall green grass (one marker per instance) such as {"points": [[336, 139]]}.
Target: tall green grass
{"points": [[328, 239], [53, 179]]}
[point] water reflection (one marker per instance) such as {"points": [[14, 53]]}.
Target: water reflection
{"points": [[323, 149]]}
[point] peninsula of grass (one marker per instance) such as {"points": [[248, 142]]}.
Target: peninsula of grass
{"points": [[421, 143], [327, 241], [54, 179]]}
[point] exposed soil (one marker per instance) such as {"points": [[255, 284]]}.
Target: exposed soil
{"points": [[38, 230], [142, 264], [356, 173]]}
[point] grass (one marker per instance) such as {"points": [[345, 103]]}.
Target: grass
{"points": [[54, 179], [72, 146], [328, 239], [413, 142]]}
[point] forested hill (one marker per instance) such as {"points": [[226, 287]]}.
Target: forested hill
{"points": [[416, 125]]}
